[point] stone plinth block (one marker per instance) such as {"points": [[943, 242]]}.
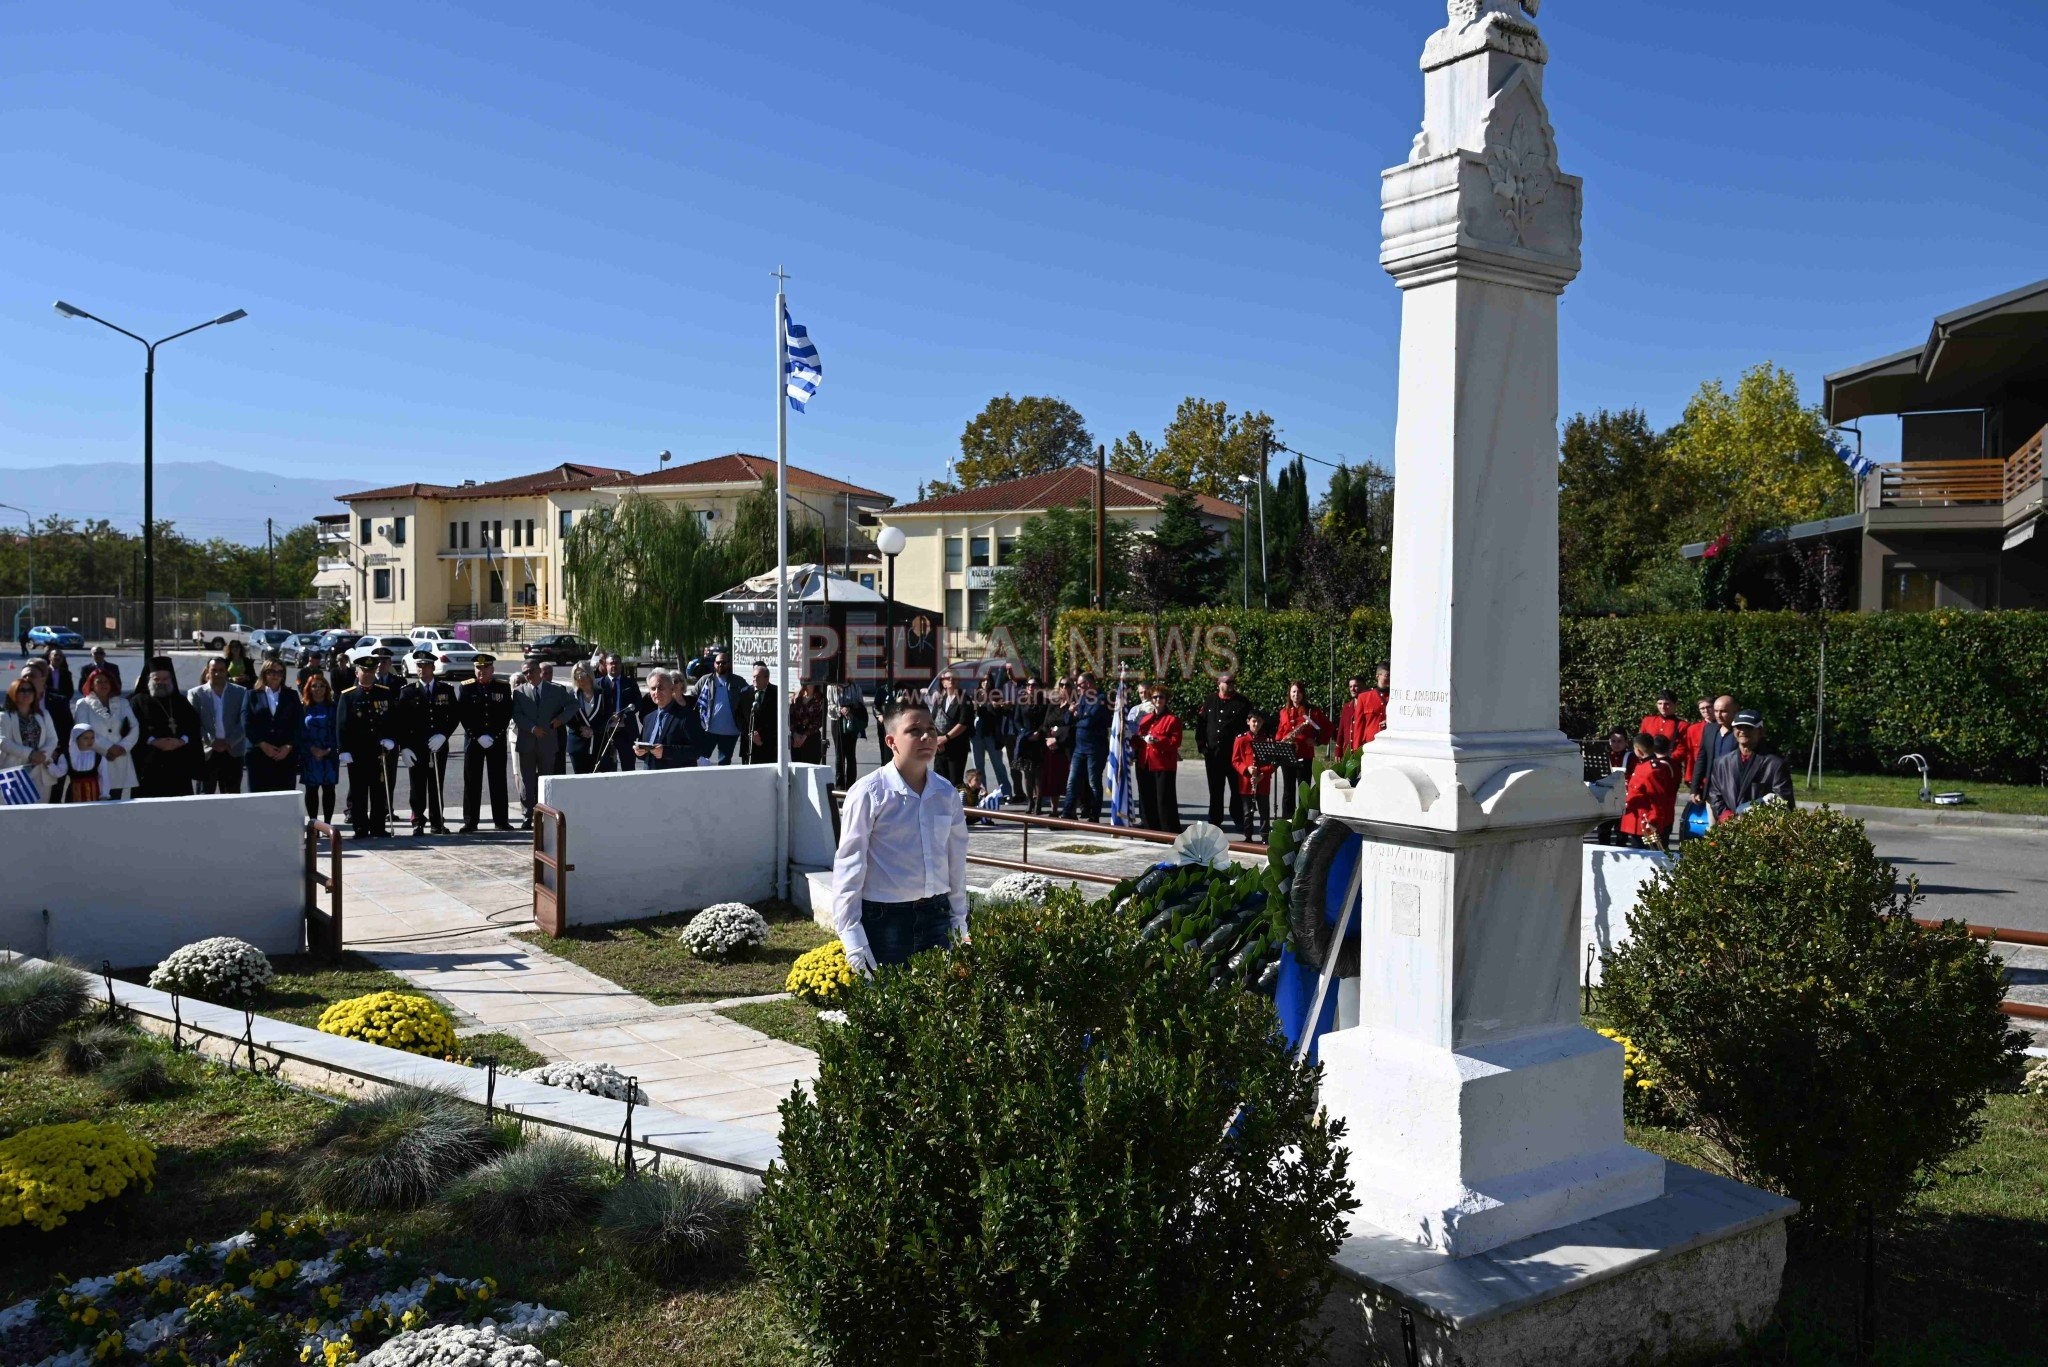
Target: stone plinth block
{"points": [[1696, 1269]]}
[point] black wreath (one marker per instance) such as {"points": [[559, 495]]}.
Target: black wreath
{"points": [[1309, 929]]}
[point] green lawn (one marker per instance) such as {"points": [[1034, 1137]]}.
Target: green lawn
{"points": [[645, 957], [789, 1019], [1903, 790]]}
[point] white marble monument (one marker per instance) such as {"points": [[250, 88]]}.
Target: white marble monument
{"points": [[1481, 1115]]}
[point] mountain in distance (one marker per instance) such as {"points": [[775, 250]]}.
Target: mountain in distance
{"points": [[201, 499]]}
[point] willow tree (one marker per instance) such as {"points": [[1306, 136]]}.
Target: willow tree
{"points": [[640, 572]]}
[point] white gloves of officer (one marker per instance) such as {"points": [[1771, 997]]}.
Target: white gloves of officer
{"points": [[859, 957], [388, 744], [435, 743], [486, 741]]}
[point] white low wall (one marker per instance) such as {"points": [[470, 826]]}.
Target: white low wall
{"points": [[1614, 879], [129, 882], [658, 841]]}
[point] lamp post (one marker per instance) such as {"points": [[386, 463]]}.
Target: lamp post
{"points": [[1244, 533], [149, 455], [890, 541]]}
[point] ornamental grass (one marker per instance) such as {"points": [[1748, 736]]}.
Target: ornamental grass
{"points": [[36, 999], [668, 1224], [400, 1148], [89, 1048], [544, 1184]]}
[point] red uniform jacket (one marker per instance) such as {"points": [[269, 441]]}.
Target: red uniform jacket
{"points": [[1368, 717], [1252, 776], [1651, 799], [1673, 730], [1311, 735], [1692, 733], [1163, 755]]}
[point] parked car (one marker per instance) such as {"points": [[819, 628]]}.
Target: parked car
{"points": [[265, 639], [294, 650], [559, 650], [41, 638], [338, 638], [399, 646], [455, 660], [433, 635]]}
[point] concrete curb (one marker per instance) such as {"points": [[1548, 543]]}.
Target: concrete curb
{"points": [[1938, 816]]}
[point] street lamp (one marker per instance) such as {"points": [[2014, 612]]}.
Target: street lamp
{"points": [[1244, 533], [149, 455], [890, 542]]}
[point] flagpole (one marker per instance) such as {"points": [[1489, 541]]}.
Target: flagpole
{"points": [[781, 591]]}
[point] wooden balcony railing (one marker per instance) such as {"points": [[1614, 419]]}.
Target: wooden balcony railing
{"points": [[2023, 470], [1941, 483]]}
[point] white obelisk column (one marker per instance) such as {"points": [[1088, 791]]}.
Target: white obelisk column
{"points": [[1479, 1110]]}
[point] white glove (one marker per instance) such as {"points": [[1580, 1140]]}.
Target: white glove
{"points": [[862, 961], [436, 742], [388, 744], [486, 741]]}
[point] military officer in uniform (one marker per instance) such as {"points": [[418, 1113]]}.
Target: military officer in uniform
{"points": [[426, 719], [484, 706], [391, 681], [363, 719]]}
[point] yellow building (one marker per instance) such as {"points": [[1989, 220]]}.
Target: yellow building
{"points": [[956, 544], [426, 554]]}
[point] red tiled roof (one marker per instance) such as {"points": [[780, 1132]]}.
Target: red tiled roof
{"points": [[567, 475], [1062, 489], [740, 468]]}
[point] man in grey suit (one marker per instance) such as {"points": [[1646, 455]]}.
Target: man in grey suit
{"points": [[540, 712], [223, 708]]}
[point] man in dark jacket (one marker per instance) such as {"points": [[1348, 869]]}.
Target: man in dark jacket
{"points": [[166, 757], [1748, 773], [1717, 738], [1088, 736], [671, 734], [426, 719], [623, 706], [1219, 721], [485, 706], [762, 718], [363, 720]]}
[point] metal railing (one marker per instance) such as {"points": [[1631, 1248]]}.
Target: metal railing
{"points": [[323, 924], [2001, 935]]}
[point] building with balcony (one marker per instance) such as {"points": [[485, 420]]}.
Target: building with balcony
{"points": [[956, 545], [424, 554], [334, 573]]}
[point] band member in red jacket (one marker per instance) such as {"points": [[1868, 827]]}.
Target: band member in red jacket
{"points": [[1665, 724], [1158, 740], [1305, 726], [1652, 796], [1368, 713], [1253, 778]]}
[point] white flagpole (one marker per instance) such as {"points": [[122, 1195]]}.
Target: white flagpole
{"points": [[783, 698]]}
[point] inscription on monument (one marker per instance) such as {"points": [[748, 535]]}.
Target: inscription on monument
{"points": [[1418, 703]]}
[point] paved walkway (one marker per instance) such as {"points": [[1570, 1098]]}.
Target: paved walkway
{"points": [[442, 913]]}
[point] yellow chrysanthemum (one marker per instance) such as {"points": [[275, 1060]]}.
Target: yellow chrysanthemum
{"points": [[397, 1020], [821, 975]]}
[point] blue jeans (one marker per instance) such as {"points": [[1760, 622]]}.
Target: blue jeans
{"points": [[721, 746], [1084, 780], [897, 930], [988, 757]]}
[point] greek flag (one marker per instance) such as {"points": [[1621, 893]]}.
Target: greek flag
{"points": [[1119, 797], [1859, 466], [17, 789], [800, 369]]}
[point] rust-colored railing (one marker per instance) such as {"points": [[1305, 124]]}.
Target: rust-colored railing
{"points": [[2001, 935], [551, 870], [323, 924], [1941, 483], [2023, 469]]}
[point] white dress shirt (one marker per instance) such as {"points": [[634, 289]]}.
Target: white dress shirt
{"points": [[897, 845]]}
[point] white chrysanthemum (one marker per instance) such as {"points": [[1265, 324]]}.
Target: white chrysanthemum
{"points": [[220, 969], [598, 1079], [724, 929], [457, 1345], [1021, 887]]}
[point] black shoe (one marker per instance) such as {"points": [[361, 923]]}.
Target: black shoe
{"points": [[419, 828], [501, 825], [443, 830], [526, 823], [468, 828]]}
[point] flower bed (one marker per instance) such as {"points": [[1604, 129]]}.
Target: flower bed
{"points": [[47, 1172], [598, 1079], [296, 1289], [724, 929], [820, 976], [396, 1020], [219, 969]]}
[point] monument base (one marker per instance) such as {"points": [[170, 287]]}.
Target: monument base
{"points": [[1697, 1268]]}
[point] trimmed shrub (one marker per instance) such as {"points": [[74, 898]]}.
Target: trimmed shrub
{"points": [[669, 1223], [597, 1079], [546, 1183], [723, 930], [396, 1020], [218, 969], [820, 976], [89, 1048], [1800, 1020], [400, 1148], [1056, 1144], [50, 1172], [137, 1076], [35, 1000]]}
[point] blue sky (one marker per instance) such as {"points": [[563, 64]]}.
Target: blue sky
{"points": [[475, 241]]}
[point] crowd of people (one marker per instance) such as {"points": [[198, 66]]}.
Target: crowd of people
{"points": [[1720, 758]]}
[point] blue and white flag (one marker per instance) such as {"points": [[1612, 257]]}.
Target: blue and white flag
{"points": [[1859, 466], [800, 369], [17, 789], [1120, 794]]}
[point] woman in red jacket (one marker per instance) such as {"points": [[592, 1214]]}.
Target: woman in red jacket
{"points": [[1305, 727], [1253, 777], [1652, 796], [1158, 740]]}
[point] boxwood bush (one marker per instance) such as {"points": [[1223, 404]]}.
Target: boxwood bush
{"points": [[1798, 1018], [1016, 1152]]}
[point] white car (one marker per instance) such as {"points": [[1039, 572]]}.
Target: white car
{"points": [[453, 660], [433, 636], [399, 646]]}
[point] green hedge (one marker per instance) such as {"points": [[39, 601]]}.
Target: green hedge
{"points": [[1966, 689]]}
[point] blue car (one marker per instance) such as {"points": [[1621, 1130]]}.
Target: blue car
{"points": [[41, 638]]}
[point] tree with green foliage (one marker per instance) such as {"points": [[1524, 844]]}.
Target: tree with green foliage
{"points": [[96, 557], [1189, 551], [1623, 504], [641, 572], [1053, 569], [750, 544], [1288, 514], [1012, 438], [1755, 459], [1204, 449]]}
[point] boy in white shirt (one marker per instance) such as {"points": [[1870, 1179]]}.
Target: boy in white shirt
{"points": [[899, 882]]}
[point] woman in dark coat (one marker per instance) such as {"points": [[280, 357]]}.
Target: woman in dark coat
{"points": [[1057, 756]]}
